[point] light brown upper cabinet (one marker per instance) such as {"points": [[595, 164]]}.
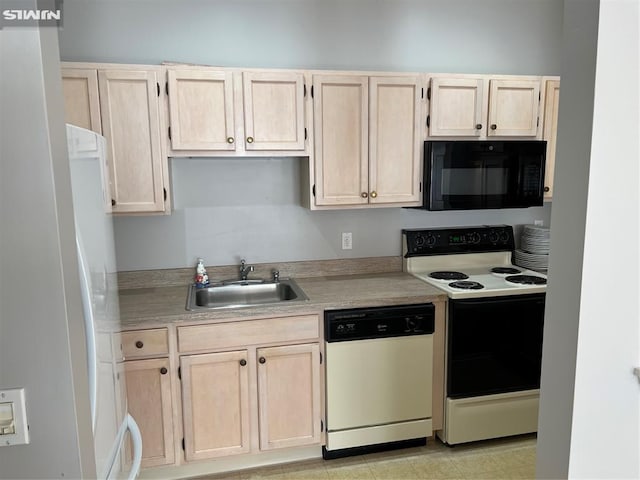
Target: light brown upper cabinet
{"points": [[201, 109], [226, 112], [81, 98], [484, 106], [457, 107], [551, 105], [273, 110], [122, 102], [395, 141], [341, 123], [514, 108], [131, 123], [367, 140]]}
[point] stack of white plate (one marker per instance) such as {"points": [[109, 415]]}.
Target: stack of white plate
{"points": [[534, 248]]}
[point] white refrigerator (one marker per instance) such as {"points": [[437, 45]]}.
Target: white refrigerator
{"points": [[112, 425]]}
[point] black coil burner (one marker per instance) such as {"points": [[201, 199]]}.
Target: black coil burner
{"points": [[447, 275], [467, 285], [526, 280], [505, 270]]}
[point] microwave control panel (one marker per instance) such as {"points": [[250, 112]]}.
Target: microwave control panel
{"points": [[439, 241]]}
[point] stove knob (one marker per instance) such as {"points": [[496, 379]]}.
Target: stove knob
{"points": [[431, 240], [494, 237], [504, 237], [419, 240]]}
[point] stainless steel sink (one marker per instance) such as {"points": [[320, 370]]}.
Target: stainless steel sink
{"points": [[243, 293]]}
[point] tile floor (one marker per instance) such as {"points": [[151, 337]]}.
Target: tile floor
{"points": [[512, 458]]}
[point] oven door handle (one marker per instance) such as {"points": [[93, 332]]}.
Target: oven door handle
{"points": [[539, 299]]}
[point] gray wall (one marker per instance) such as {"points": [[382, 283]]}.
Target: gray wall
{"points": [[42, 337], [488, 36], [575, 124], [592, 333], [225, 209]]}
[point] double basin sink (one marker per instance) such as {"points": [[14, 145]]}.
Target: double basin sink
{"points": [[243, 293]]}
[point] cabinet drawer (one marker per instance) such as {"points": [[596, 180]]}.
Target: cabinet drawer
{"points": [[142, 343], [247, 332]]}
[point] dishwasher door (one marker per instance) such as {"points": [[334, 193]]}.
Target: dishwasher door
{"points": [[378, 381]]}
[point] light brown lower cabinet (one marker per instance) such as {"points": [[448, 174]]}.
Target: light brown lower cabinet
{"points": [[289, 395], [149, 402], [215, 404], [217, 399]]}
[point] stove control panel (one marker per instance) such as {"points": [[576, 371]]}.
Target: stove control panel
{"points": [[439, 241]]}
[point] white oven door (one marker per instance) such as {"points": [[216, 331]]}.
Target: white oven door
{"points": [[379, 381]]}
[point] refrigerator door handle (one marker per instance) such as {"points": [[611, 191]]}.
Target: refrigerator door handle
{"points": [[92, 355], [136, 441], [114, 461]]}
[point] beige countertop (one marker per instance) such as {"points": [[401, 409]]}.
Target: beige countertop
{"points": [[157, 306]]}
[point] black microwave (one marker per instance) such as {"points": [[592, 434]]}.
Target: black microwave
{"points": [[470, 175]]}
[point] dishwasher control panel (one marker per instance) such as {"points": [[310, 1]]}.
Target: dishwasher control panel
{"points": [[379, 322]]}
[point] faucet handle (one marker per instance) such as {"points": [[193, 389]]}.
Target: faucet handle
{"points": [[276, 276], [245, 269]]}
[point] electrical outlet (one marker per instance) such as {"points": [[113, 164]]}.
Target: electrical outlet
{"points": [[347, 241], [538, 223]]}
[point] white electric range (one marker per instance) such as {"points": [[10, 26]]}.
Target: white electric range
{"points": [[494, 325], [476, 275]]}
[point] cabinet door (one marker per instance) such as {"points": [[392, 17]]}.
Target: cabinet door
{"points": [[81, 99], [513, 108], [131, 123], [273, 111], [395, 143], [201, 109], [289, 395], [552, 103], [149, 400], [456, 107], [215, 404], [341, 126]]}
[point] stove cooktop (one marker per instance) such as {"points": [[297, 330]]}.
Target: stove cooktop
{"points": [[469, 262], [481, 282]]}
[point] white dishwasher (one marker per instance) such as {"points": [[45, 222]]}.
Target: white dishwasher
{"points": [[378, 378]]}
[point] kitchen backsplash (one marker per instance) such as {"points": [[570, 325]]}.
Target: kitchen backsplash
{"points": [[307, 269], [228, 209]]}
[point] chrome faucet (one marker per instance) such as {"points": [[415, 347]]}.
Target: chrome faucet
{"points": [[245, 269]]}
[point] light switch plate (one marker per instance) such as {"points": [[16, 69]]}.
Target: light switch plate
{"points": [[347, 240], [14, 429]]}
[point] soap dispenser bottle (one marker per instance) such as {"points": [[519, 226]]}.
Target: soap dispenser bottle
{"points": [[201, 278]]}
